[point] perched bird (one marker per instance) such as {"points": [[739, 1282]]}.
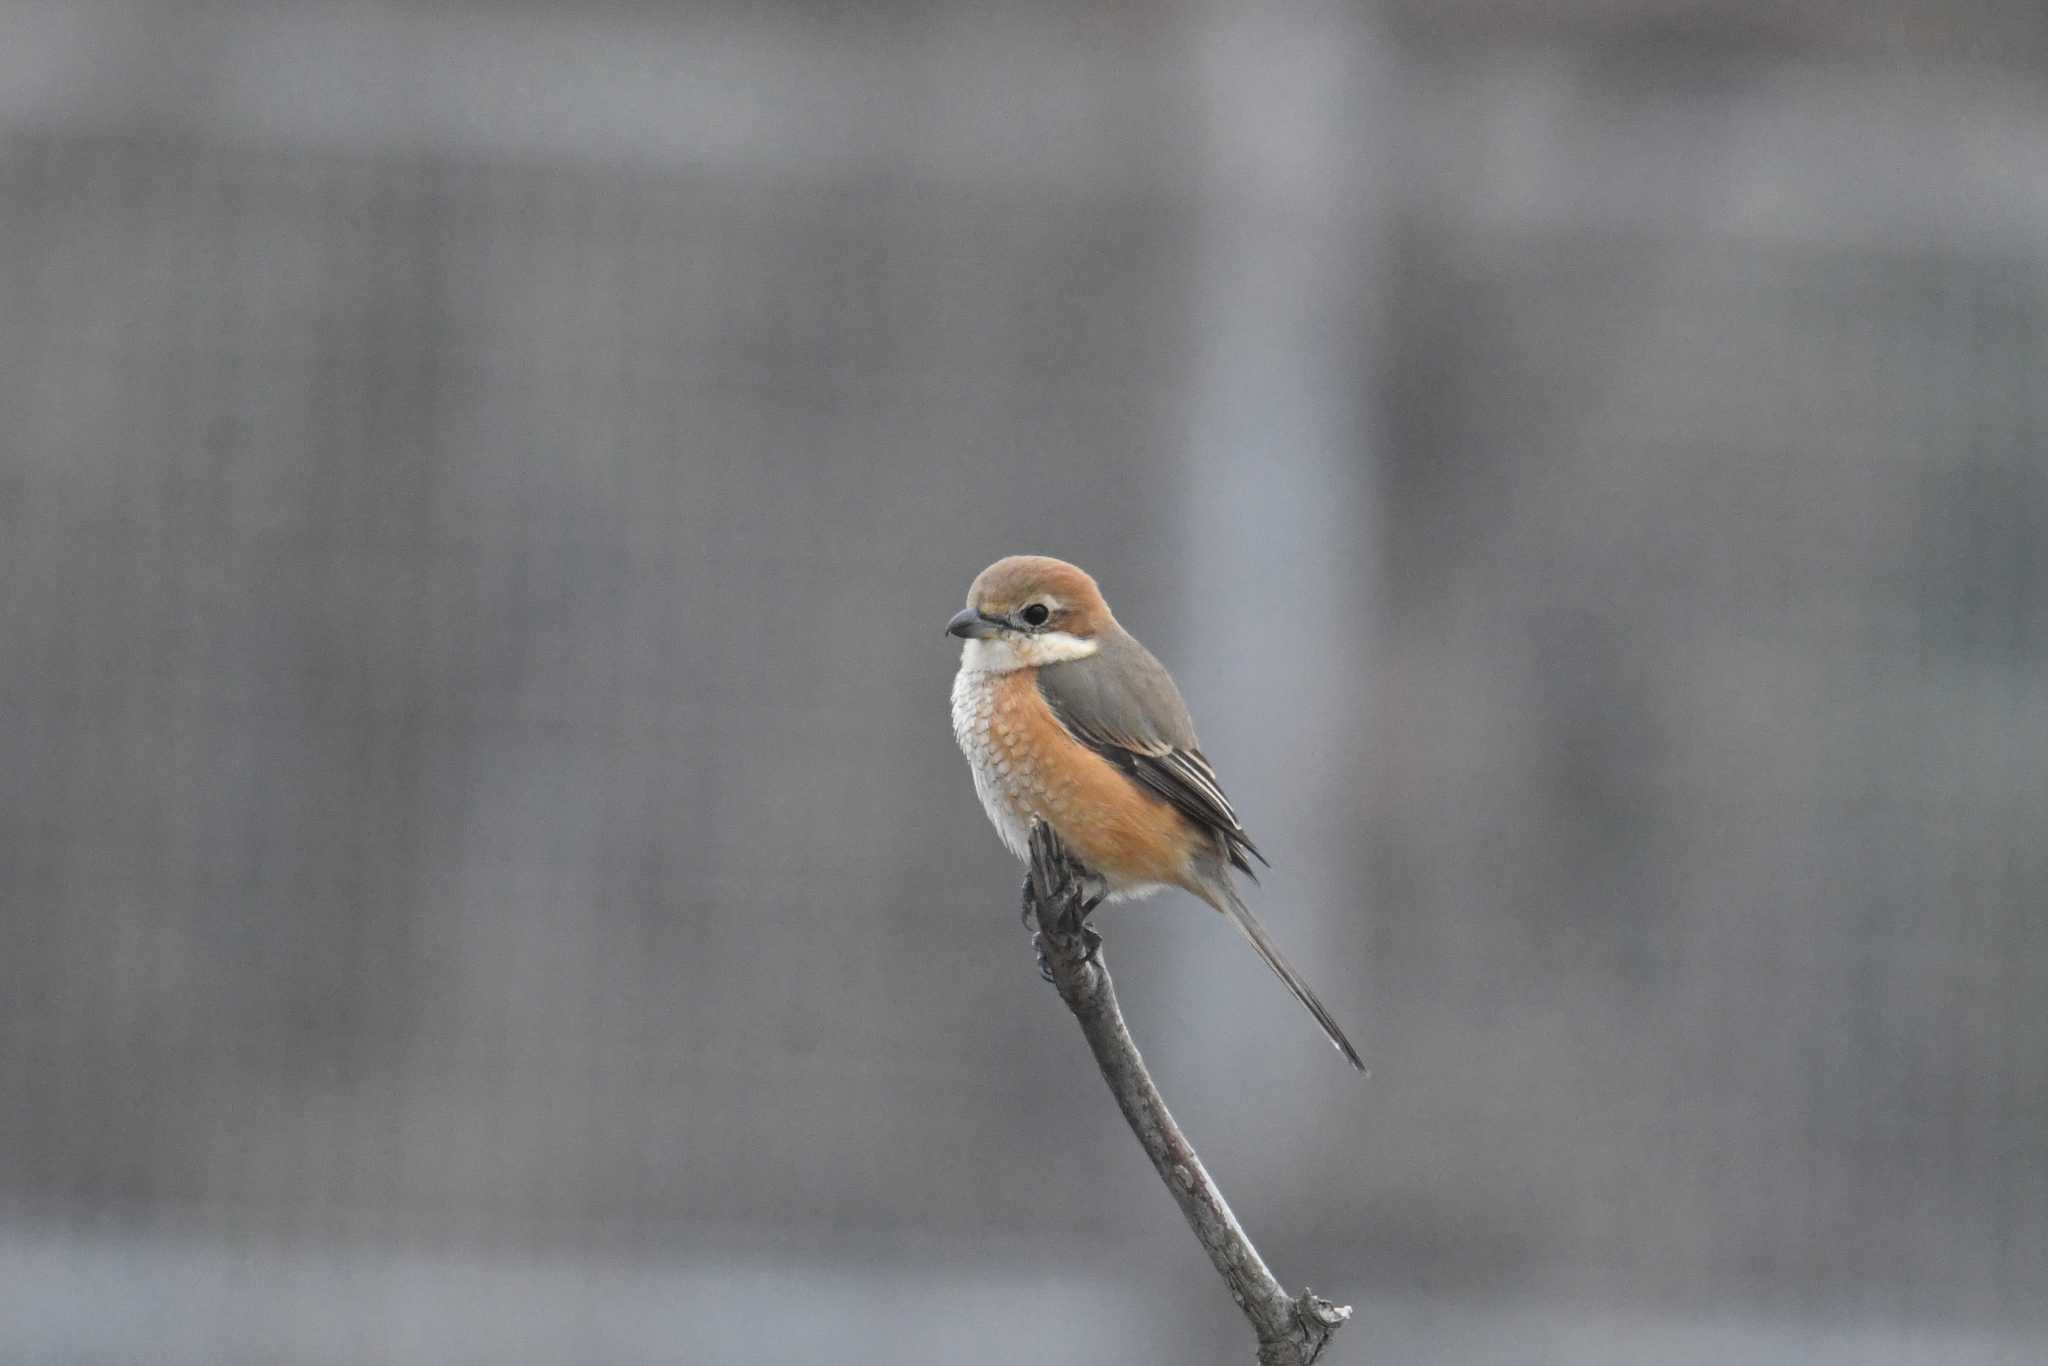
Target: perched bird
{"points": [[1066, 719]]}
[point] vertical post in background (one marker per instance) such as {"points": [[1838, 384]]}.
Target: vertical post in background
{"points": [[1293, 106]]}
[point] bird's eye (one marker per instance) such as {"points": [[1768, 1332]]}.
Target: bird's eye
{"points": [[1034, 615]]}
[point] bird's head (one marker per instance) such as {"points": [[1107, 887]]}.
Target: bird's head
{"points": [[1029, 610]]}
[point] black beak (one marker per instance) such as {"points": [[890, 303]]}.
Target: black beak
{"points": [[972, 625]]}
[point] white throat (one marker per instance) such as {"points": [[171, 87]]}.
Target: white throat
{"points": [[1005, 653]]}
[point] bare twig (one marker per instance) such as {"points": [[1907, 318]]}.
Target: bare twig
{"points": [[1291, 1331]]}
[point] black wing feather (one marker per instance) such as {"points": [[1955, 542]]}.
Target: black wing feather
{"points": [[1185, 778], [1180, 774]]}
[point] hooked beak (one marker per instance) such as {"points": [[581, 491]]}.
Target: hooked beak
{"points": [[972, 625]]}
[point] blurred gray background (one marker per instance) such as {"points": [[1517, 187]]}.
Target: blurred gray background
{"points": [[484, 870]]}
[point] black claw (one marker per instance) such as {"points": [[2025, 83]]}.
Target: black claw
{"points": [[1058, 885]]}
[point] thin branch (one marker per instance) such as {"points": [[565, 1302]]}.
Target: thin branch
{"points": [[1290, 1331]]}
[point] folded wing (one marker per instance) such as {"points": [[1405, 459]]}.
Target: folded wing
{"points": [[1121, 703]]}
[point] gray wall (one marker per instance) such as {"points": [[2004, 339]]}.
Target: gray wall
{"points": [[483, 864]]}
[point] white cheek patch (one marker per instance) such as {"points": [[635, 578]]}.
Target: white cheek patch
{"points": [[1006, 653], [1054, 647]]}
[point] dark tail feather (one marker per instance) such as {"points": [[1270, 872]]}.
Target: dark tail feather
{"points": [[1226, 900]]}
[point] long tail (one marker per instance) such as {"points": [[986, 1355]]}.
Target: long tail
{"points": [[1224, 898]]}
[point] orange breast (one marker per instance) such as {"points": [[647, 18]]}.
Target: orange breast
{"points": [[1113, 825]]}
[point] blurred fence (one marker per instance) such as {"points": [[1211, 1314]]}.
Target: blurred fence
{"points": [[474, 772]]}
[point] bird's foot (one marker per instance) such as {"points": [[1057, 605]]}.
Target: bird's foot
{"points": [[1059, 895], [1091, 944]]}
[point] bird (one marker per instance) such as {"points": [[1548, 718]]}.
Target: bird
{"points": [[1066, 719]]}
